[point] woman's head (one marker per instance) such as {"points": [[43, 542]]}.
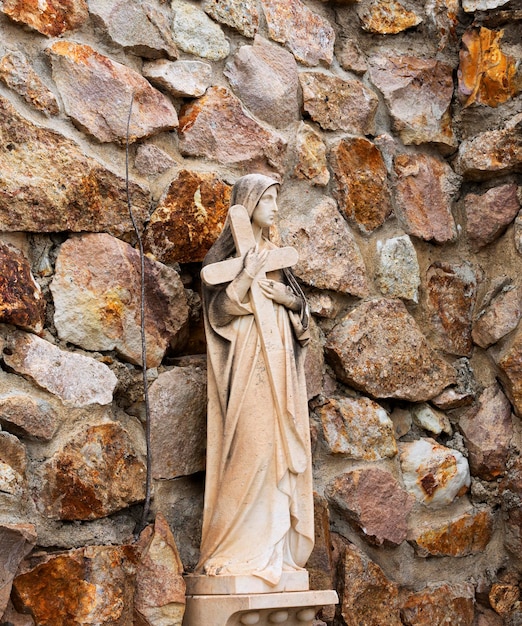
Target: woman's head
{"points": [[248, 190]]}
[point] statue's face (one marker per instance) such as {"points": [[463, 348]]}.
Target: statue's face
{"points": [[266, 209]]}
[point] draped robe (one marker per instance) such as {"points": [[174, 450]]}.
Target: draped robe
{"points": [[258, 515]]}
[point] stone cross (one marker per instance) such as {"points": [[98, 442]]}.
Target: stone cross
{"points": [[262, 307]]}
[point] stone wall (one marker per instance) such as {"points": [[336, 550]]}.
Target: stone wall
{"points": [[396, 130]]}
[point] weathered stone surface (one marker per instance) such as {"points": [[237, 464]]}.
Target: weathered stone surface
{"points": [[320, 564], [511, 493], [188, 218], [509, 362], [306, 34], [451, 295], [488, 430], [361, 182], [16, 541], [444, 15], [140, 27], [357, 428], [339, 104], [397, 273], [425, 189], [492, 153], [486, 75], [178, 402], [504, 598], [314, 361], [264, 76], [311, 156], [151, 160], [180, 78], [11, 616], [387, 17], [499, 314], [329, 257], [76, 379], [242, 15], [195, 33], [434, 474], [418, 93], [96, 292], [464, 390], [379, 349], [434, 421], [25, 410], [160, 588], [367, 596], [327, 304], [350, 57], [470, 6], [21, 300], [374, 501], [96, 473], [13, 465], [50, 17], [402, 421], [489, 214], [92, 585], [217, 127], [463, 535], [17, 73], [50, 185], [97, 94], [440, 604]]}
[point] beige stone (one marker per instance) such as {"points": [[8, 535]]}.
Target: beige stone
{"points": [[16, 541], [243, 15], [397, 273], [218, 127], [179, 78], [308, 36], [379, 349], [194, 32], [499, 314], [339, 104], [311, 156], [329, 257], [97, 94]]}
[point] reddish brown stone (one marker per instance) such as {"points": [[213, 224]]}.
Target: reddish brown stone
{"points": [[21, 300], [489, 214], [451, 295], [49, 185], [16, 541], [424, 192], [339, 104], [93, 585], [188, 218], [96, 474], [309, 36], [440, 604], [51, 18], [320, 563], [488, 430], [379, 349], [367, 596], [387, 17], [17, 73], [468, 534], [499, 315], [486, 75], [511, 492], [217, 127], [97, 94], [374, 502], [361, 179], [509, 362]]}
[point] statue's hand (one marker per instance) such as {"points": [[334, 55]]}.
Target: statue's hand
{"points": [[278, 292], [255, 260]]}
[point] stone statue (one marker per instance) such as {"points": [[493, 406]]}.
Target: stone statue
{"points": [[258, 516]]}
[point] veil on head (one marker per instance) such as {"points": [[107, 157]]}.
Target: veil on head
{"points": [[247, 191]]}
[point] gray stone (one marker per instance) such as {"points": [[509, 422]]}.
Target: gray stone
{"points": [[76, 379], [194, 32], [151, 160], [398, 274], [243, 15], [186, 79], [264, 76]]}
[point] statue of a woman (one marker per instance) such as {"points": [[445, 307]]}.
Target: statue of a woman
{"points": [[258, 516]]}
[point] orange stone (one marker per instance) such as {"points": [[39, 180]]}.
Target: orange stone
{"points": [[440, 604], [486, 75], [189, 218], [49, 17], [503, 598], [388, 17]]}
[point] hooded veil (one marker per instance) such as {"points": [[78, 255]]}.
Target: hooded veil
{"points": [[258, 515]]}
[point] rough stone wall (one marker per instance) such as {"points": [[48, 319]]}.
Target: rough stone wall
{"points": [[396, 130]]}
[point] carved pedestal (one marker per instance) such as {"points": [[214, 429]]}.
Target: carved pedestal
{"points": [[241, 600]]}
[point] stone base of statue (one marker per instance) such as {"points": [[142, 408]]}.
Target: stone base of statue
{"points": [[238, 600]]}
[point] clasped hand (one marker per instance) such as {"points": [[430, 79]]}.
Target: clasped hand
{"points": [[276, 291]]}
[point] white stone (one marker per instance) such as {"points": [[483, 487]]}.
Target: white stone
{"points": [[432, 473], [482, 5], [398, 273], [179, 78], [194, 32], [428, 418]]}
